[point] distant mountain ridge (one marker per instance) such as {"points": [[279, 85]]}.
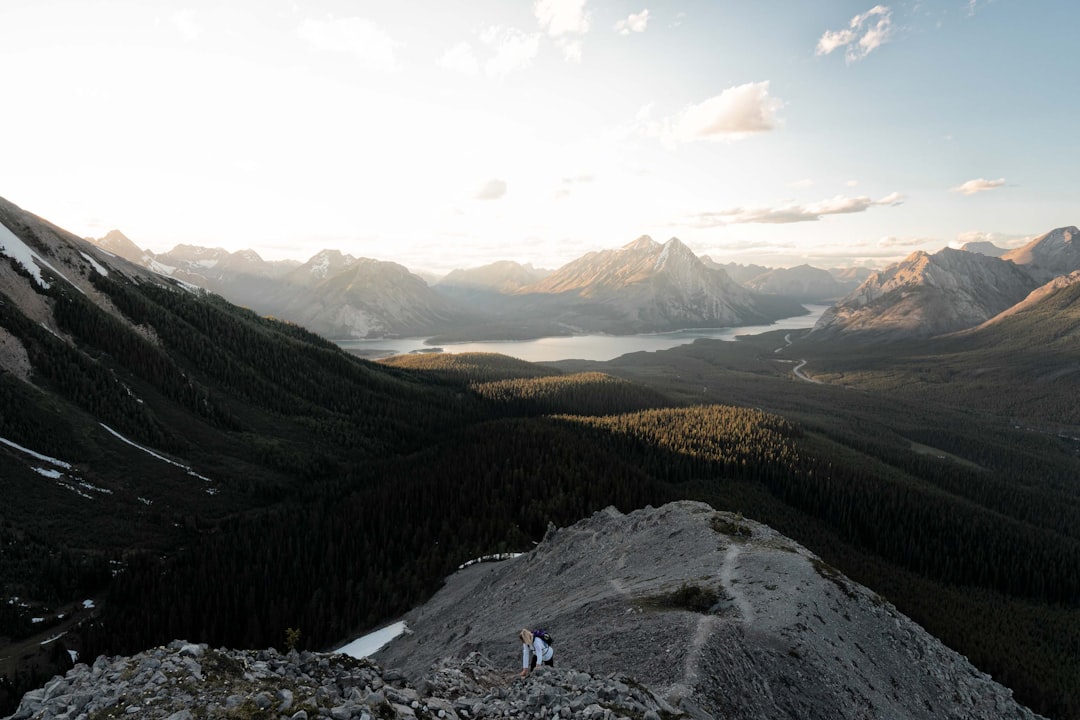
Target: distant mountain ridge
{"points": [[645, 286], [951, 290]]}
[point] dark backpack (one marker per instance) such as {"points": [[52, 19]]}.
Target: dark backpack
{"points": [[544, 635]]}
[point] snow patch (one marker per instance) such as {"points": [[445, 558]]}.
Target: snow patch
{"points": [[13, 247], [88, 604], [52, 474], [38, 456], [97, 266], [150, 452], [54, 638], [371, 643]]}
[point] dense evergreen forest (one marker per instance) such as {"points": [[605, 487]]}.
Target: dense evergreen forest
{"points": [[311, 490]]}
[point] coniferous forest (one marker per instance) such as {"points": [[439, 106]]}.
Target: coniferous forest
{"points": [[311, 490]]}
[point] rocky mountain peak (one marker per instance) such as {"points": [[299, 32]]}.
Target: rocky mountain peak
{"points": [[983, 247], [926, 295], [644, 242], [1049, 255]]}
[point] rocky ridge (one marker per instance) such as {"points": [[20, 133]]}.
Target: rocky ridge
{"points": [[678, 611], [183, 681]]}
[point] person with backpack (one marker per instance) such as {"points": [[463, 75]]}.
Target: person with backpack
{"points": [[535, 648]]}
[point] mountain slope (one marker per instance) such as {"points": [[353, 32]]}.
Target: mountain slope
{"points": [[746, 624], [1047, 256], [803, 282], [926, 295], [645, 287]]}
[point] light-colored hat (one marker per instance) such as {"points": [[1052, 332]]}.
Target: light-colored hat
{"points": [[526, 637]]}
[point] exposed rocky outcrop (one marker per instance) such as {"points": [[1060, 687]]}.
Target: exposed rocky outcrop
{"points": [[780, 635], [184, 681], [680, 611]]}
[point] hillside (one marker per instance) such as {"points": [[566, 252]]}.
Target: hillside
{"points": [[1049, 255], [746, 625]]}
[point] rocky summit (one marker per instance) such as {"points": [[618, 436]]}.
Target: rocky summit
{"points": [[675, 612]]}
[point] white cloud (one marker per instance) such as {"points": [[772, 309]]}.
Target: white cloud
{"points": [[491, 190], [514, 50], [355, 36], [636, 23], [184, 21], [730, 115], [839, 205], [562, 17], [804, 183], [460, 58], [978, 185], [864, 34], [566, 21]]}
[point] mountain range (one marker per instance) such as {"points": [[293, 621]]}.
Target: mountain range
{"points": [[927, 295], [196, 469], [643, 287]]}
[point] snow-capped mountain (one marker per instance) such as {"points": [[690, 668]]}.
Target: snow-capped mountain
{"points": [[1050, 255], [927, 295], [648, 286]]}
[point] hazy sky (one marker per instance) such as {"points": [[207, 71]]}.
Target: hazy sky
{"points": [[452, 133]]}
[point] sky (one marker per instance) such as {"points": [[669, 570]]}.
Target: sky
{"points": [[446, 134]]}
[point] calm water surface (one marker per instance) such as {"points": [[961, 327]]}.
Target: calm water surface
{"points": [[580, 347]]}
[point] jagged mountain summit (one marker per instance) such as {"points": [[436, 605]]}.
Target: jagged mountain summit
{"points": [[1050, 255], [721, 616], [647, 286], [927, 295]]}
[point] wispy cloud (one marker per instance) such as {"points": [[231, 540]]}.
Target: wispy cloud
{"points": [[491, 190], [978, 185], [566, 21], [460, 58], [513, 50], [731, 115], [636, 23], [184, 22], [864, 34], [839, 205], [355, 36]]}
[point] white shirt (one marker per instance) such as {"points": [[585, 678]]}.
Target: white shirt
{"points": [[540, 648]]}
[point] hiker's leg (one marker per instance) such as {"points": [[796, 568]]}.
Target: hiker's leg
{"points": [[532, 663]]}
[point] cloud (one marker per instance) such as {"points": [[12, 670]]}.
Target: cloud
{"points": [[636, 23], [568, 184], [514, 50], [566, 21], [804, 183], [184, 21], [460, 58], [864, 34], [839, 205], [355, 36], [978, 185], [732, 114], [562, 17], [1002, 240], [491, 190], [891, 241]]}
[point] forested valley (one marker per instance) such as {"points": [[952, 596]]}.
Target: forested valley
{"points": [[331, 494]]}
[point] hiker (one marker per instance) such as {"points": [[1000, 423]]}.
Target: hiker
{"points": [[535, 647]]}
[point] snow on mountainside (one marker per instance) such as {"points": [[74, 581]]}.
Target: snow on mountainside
{"points": [[927, 295], [1050, 255], [647, 286]]}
